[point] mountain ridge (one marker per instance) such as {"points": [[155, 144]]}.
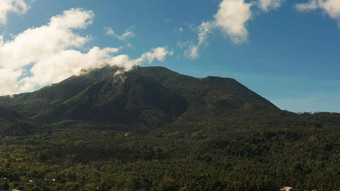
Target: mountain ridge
{"points": [[148, 95]]}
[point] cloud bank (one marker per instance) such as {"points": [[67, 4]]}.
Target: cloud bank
{"points": [[330, 7], [50, 53], [16, 6]]}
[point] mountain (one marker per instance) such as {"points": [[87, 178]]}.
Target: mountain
{"points": [[145, 95], [153, 129]]}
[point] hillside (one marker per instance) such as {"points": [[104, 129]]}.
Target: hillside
{"points": [[154, 129]]}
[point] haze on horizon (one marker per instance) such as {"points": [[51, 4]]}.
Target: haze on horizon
{"points": [[286, 51]]}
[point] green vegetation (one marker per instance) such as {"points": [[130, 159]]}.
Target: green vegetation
{"points": [[153, 129]]}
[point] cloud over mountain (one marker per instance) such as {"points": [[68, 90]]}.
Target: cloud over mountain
{"points": [[50, 53]]}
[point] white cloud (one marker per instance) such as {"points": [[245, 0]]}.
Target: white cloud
{"points": [[124, 61], [50, 51], [8, 81], [16, 6], [230, 18], [156, 53], [193, 51], [128, 34], [331, 7], [311, 5], [203, 30], [36, 44], [1, 40], [266, 5], [109, 31], [64, 64]]}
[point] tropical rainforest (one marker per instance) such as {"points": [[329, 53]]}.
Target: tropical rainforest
{"points": [[154, 129]]}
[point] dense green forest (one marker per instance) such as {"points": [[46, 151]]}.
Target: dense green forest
{"points": [[153, 129]]}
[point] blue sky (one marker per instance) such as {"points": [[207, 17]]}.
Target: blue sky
{"points": [[287, 51]]}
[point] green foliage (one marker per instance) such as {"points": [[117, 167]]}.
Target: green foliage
{"points": [[218, 158]]}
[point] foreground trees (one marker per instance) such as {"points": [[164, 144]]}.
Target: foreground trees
{"points": [[213, 156]]}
